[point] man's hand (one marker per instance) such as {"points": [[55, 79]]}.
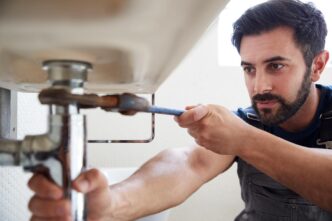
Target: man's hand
{"points": [[48, 203], [215, 128]]}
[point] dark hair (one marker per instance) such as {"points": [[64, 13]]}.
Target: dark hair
{"points": [[307, 22]]}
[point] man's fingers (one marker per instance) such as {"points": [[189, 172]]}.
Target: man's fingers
{"points": [[199, 112], [90, 181], [94, 184], [44, 188], [49, 208], [192, 115]]}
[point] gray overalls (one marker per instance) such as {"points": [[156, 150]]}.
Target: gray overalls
{"points": [[266, 199]]}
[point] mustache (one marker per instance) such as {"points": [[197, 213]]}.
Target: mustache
{"points": [[266, 97]]}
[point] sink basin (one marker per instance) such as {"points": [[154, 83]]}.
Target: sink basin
{"points": [[133, 45]]}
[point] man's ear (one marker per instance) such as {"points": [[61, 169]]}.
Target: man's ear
{"points": [[319, 64]]}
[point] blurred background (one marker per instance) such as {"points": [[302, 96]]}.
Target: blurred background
{"points": [[210, 73]]}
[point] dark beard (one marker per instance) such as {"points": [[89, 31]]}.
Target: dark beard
{"points": [[286, 109]]}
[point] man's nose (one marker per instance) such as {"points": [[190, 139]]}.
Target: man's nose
{"points": [[262, 83]]}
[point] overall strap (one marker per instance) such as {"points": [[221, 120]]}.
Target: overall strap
{"points": [[252, 118], [325, 128]]}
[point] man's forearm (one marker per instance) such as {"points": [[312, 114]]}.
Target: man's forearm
{"points": [[306, 171], [166, 181], [156, 186]]}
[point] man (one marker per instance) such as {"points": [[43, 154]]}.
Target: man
{"points": [[284, 173]]}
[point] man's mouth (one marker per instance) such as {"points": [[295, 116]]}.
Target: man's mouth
{"points": [[266, 104]]}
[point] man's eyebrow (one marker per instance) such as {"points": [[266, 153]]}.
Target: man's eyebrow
{"points": [[276, 58], [245, 63], [272, 59]]}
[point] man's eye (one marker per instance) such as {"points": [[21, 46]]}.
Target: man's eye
{"points": [[275, 66], [248, 69]]}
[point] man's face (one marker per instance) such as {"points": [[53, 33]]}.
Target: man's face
{"points": [[276, 76]]}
